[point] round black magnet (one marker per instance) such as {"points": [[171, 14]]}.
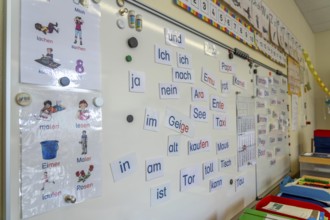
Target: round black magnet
{"points": [[129, 118], [132, 42], [231, 181], [64, 81]]}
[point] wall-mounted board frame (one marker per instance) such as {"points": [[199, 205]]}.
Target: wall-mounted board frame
{"points": [[129, 134]]}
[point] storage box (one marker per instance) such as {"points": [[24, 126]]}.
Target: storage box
{"points": [[307, 193], [315, 165], [322, 141], [265, 201], [250, 214]]}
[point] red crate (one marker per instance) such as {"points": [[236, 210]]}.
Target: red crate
{"points": [[321, 133], [262, 203]]}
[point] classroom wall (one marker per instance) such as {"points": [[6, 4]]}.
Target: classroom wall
{"points": [[290, 15], [323, 69]]}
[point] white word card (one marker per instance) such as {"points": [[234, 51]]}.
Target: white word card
{"points": [[168, 91], [227, 164], [160, 194], [225, 88], [183, 75], [154, 168], [227, 67], [124, 167], [209, 78], [151, 120], [220, 121], [136, 81], [209, 168], [222, 146], [199, 94], [239, 82], [216, 183], [240, 183], [174, 38], [184, 60], [199, 113], [163, 55], [217, 103], [173, 145], [199, 145], [190, 177], [179, 123]]}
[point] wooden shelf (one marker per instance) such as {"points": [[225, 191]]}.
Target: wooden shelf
{"points": [[314, 160]]}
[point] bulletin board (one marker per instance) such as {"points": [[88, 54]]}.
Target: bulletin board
{"points": [[161, 145], [294, 77]]}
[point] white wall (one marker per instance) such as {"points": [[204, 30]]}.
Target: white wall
{"points": [[323, 70]]}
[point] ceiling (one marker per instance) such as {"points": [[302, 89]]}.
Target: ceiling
{"points": [[316, 13]]}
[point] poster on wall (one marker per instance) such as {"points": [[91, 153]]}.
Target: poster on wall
{"points": [[218, 15], [247, 9], [256, 14], [274, 23], [294, 112], [60, 43], [61, 150], [294, 77], [228, 17], [246, 141]]}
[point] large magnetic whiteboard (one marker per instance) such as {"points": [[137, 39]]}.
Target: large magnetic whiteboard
{"points": [[129, 198], [272, 121]]}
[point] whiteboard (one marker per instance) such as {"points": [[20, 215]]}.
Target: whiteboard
{"points": [[124, 116], [272, 121]]}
